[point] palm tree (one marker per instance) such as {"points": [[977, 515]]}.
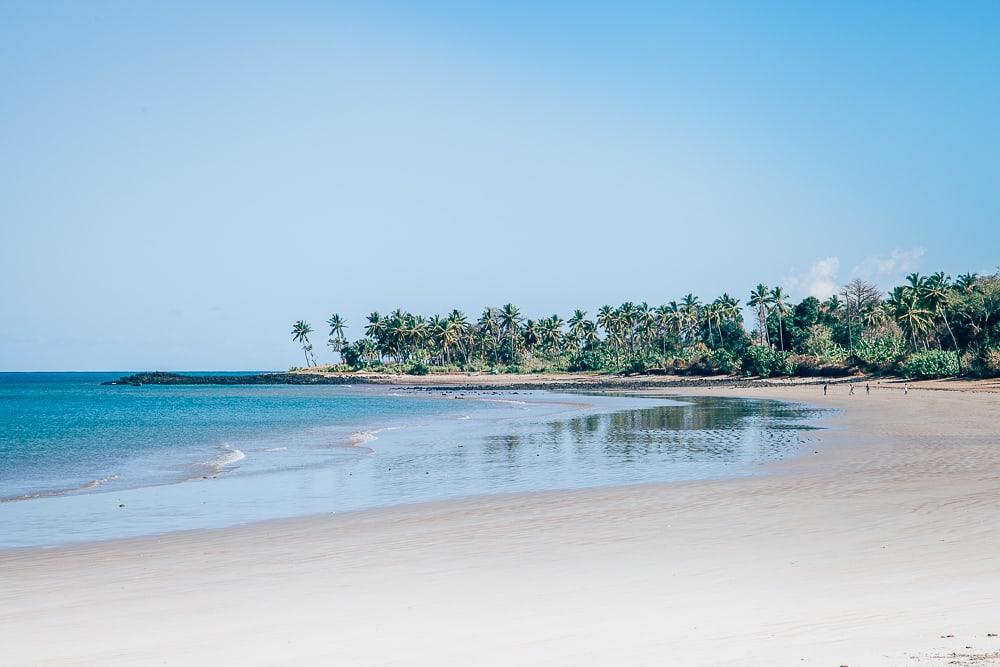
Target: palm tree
{"points": [[730, 307], [337, 339], [337, 325], [552, 328], [714, 313], [938, 295], [458, 332], [908, 313], [376, 330], [645, 321], [966, 282], [663, 321], [875, 316], [300, 334], [590, 336], [691, 316], [510, 323], [576, 325], [607, 320], [760, 298], [777, 299], [676, 314], [532, 335], [489, 325]]}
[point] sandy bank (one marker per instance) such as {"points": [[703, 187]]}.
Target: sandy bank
{"points": [[571, 381], [873, 549]]}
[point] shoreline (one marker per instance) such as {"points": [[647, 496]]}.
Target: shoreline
{"points": [[766, 468], [871, 551], [227, 455], [481, 381], [241, 495]]}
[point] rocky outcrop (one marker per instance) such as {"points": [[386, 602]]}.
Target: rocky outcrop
{"points": [[139, 379]]}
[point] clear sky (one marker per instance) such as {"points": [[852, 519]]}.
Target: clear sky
{"points": [[180, 181]]}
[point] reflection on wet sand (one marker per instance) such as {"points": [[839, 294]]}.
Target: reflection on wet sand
{"points": [[704, 430]]}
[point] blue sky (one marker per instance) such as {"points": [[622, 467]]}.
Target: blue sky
{"points": [[180, 181]]}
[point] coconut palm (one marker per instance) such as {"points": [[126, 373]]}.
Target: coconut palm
{"points": [[904, 303], [532, 335], [458, 333], [576, 325], [510, 323], [590, 335], [966, 282], [337, 339], [489, 329], [300, 334], [760, 298], [337, 325], [781, 309], [875, 316], [645, 323], [938, 294]]}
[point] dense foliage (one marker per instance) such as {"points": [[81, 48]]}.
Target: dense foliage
{"points": [[930, 326]]}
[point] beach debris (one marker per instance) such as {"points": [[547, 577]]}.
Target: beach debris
{"points": [[121, 505], [947, 636], [991, 634]]}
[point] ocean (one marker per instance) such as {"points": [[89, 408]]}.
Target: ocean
{"points": [[82, 461]]}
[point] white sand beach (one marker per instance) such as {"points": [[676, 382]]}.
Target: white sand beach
{"points": [[880, 546]]}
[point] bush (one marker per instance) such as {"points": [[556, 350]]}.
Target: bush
{"points": [[933, 364], [588, 360], [765, 362], [881, 353], [808, 365], [351, 354], [418, 368], [641, 363], [987, 365], [717, 362], [819, 343], [445, 368]]}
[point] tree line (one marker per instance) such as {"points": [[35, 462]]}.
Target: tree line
{"points": [[927, 327]]}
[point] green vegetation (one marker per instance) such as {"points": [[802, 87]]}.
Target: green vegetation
{"points": [[930, 326]]}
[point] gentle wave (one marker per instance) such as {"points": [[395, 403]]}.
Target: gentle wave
{"points": [[228, 457], [507, 401], [93, 484], [362, 437]]}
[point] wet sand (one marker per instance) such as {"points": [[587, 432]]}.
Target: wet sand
{"points": [[879, 546]]}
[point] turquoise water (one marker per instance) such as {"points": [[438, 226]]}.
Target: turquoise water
{"points": [[82, 461], [66, 431]]}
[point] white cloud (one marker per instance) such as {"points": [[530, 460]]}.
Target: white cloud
{"points": [[819, 280], [886, 270]]}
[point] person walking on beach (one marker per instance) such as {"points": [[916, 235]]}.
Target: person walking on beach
{"points": [[824, 389], [852, 389], [868, 388], [906, 389]]}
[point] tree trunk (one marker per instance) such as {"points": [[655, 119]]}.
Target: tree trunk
{"points": [[958, 353]]}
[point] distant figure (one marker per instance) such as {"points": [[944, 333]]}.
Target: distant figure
{"points": [[906, 389], [852, 390], [868, 388], [824, 389]]}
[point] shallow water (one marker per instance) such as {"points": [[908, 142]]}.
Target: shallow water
{"points": [[176, 458]]}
